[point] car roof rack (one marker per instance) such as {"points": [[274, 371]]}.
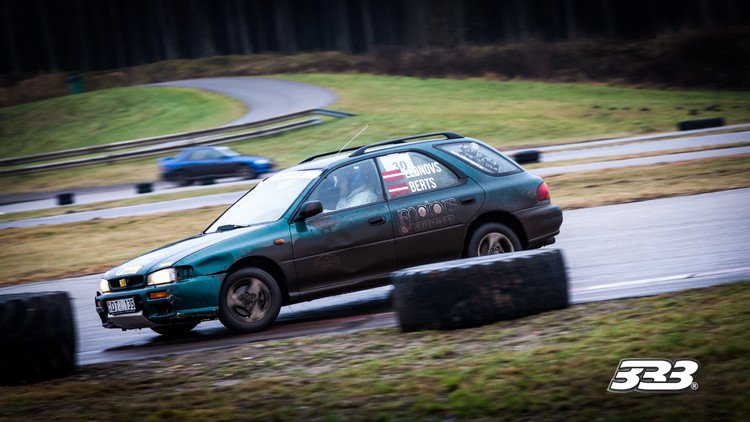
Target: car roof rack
{"points": [[315, 157], [363, 149]]}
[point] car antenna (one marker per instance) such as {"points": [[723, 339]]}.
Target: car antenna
{"points": [[355, 137]]}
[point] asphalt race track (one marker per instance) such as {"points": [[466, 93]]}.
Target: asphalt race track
{"points": [[611, 252]]}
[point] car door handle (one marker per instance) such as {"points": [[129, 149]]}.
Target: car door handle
{"points": [[376, 221], [468, 200]]}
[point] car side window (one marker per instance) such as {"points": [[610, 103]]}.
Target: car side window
{"points": [[481, 157], [212, 155], [351, 186], [411, 172], [195, 155]]}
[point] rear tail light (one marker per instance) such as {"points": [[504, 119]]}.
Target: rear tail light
{"points": [[542, 192]]}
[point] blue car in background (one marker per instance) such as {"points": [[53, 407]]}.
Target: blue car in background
{"points": [[208, 163]]}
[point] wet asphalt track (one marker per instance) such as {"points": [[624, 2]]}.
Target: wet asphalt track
{"points": [[611, 252]]}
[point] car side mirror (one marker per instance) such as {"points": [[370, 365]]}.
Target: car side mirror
{"points": [[310, 209]]}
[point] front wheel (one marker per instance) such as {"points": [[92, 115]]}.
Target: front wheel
{"points": [[492, 239], [245, 172], [249, 301], [182, 178]]}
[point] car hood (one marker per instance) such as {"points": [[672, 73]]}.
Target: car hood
{"points": [[167, 256]]}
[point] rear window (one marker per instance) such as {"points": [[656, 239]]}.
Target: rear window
{"points": [[482, 157]]}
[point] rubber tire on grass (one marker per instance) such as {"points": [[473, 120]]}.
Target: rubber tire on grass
{"points": [[700, 123], [526, 157], [37, 337], [232, 316], [477, 291]]}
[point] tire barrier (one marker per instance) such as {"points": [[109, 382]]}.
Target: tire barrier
{"points": [[37, 337], [700, 123], [144, 188], [526, 157], [477, 291], [64, 199]]}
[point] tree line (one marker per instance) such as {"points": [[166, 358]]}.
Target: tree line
{"points": [[85, 35]]}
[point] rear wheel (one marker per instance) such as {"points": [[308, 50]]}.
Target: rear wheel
{"points": [[245, 172], [174, 330], [492, 239], [249, 301]]}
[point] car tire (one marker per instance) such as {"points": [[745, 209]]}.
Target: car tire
{"points": [[175, 330], [249, 301], [245, 172], [492, 239], [183, 179], [476, 291], [37, 337]]}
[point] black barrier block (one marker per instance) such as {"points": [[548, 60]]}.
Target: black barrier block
{"points": [[700, 123], [37, 337], [526, 157], [476, 291], [64, 199], [144, 188]]}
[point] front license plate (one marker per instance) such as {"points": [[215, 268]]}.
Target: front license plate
{"points": [[120, 306]]}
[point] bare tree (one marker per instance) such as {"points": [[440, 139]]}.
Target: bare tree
{"points": [[367, 26], [166, 28], [15, 63], [458, 10], [570, 20], [244, 30], [344, 37], [49, 45]]}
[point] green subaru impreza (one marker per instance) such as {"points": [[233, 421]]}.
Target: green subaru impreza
{"points": [[335, 223]]}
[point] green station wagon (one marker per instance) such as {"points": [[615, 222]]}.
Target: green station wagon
{"points": [[335, 223]]}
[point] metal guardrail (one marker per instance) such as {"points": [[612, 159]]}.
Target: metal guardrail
{"points": [[157, 149]]}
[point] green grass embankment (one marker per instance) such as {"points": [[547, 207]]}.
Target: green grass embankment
{"points": [[503, 114], [553, 367]]}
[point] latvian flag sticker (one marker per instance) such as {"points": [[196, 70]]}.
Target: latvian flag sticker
{"points": [[393, 175], [398, 189]]}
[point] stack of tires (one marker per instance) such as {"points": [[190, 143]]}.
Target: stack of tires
{"points": [[37, 337], [477, 291]]}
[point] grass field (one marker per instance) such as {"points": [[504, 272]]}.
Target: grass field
{"points": [[111, 115], [504, 114], [550, 367]]}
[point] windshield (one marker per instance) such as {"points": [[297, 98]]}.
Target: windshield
{"points": [[267, 201]]}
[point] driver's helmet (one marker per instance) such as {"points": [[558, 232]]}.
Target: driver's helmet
{"points": [[356, 178]]}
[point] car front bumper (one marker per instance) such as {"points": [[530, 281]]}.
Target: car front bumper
{"points": [[191, 300]]}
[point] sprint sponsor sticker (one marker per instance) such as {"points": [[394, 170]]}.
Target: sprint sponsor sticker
{"points": [[393, 175], [398, 189], [654, 376], [402, 176]]}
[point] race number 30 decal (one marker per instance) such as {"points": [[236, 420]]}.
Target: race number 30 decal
{"points": [[654, 376]]}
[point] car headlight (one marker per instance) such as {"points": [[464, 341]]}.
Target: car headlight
{"points": [[104, 286], [165, 276]]}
